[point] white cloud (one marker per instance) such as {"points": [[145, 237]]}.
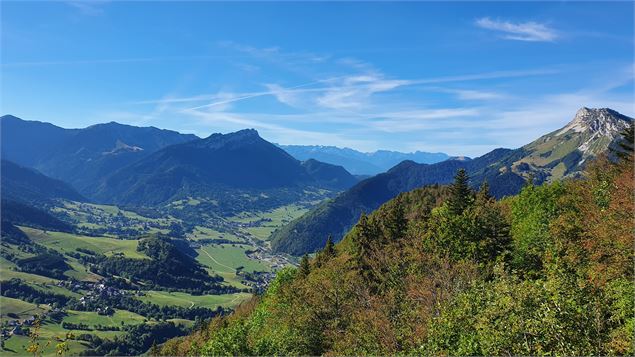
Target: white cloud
{"points": [[283, 95], [521, 31]]}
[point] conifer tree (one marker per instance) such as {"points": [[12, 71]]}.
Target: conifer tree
{"points": [[326, 253], [329, 248], [483, 192], [625, 150], [460, 193], [305, 267], [364, 240], [396, 223]]}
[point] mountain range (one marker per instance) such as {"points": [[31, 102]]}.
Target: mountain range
{"points": [[217, 167], [132, 166], [80, 157], [361, 163], [557, 155]]}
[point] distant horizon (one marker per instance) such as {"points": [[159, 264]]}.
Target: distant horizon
{"points": [[459, 155], [456, 78]]}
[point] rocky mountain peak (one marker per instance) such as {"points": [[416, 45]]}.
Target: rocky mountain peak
{"points": [[603, 121], [235, 139]]}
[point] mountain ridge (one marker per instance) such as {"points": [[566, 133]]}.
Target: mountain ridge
{"points": [[357, 162], [80, 156], [217, 165], [545, 159]]}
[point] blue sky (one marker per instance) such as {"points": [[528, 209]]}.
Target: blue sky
{"points": [[461, 78]]}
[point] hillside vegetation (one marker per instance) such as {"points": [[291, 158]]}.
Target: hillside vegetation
{"points": [[451, 271]]}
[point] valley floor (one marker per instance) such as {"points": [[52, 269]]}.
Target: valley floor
{"points": [[235, 248]]}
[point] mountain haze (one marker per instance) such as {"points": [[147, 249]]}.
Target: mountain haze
{"points": [[360, 163]]}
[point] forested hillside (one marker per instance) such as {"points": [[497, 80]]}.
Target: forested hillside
{"points": [[449, 270]]}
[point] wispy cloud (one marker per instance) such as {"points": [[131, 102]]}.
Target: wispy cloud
{"points": [[520, 31], [88, 7], [345, 99], [351, 91], [109, 61]]}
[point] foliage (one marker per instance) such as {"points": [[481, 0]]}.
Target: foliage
{"points": [[51, 264], [169, 267], [548, 271], [532, 212], [16, 288], [136, 341]]}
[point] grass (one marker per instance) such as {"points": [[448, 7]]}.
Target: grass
{"points": [[273, 219], [16, 345], [51, 288], [87, 214], [208, 233], [66, 242], [21, 308], [180, 204], [227, 258], [91, 318], [8, 270], [50, 331], [165, 298]]}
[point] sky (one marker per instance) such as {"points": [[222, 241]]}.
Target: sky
{"points": [[454, 77]]}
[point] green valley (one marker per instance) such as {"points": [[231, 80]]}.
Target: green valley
{"points": [[101, 296]]}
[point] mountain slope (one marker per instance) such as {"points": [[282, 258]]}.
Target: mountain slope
{"points": [[328, 175], [360, 163], [335, 217], [220, 167], [27, 142], [562, 153], [19, 213], [553, 156], [100, 149], [81, 156], [420, 277], [27, 185]]}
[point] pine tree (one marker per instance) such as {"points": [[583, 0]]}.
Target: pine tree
{"points": [[625, 150], [460, 193], [305, 267], [364, 240], [483, 192], [365, 237], [329, 248], [395, 223], [327, 253]]}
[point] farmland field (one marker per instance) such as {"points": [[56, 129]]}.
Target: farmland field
{"points": [[228, 258], [20, 308], [92, 318], [66, 242], [186, 300]]}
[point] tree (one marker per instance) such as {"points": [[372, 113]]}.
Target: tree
{"points": [[395, 224], [489, 227], [460, 193], [625, 146], [326, 254], [329, 248], [363, 237], [483, 192], [305, 267]]}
